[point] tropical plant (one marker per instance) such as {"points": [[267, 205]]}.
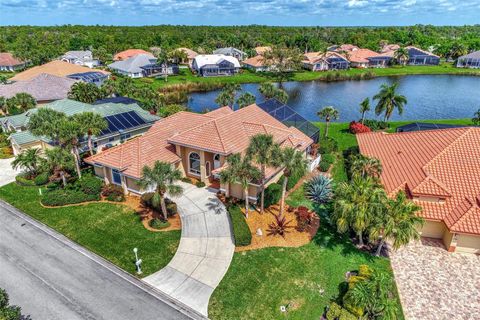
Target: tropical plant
{"points": [[59, 162], [163, 177], [3, 79], [240, 170], [281, 95], [163, 59], [245, 99], [7, 311], [28, 160], [69, 134], [319, 189], [305, 217], [364, 108], [282, 60], [92, 124], [401, 56], [85, 92], [356, 204], [225, 98], [268, 90], [263, 151], [357, 127], [279, 226], [328, 113], [178, 56], [292, 161], [170, 109], [21, 101], [457, 50], [399, 223], [476, 118], [389, 100], [3, 105], [363, 166]]}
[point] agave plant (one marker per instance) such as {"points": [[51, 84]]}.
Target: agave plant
{"points": [[280, 226], [319, 189]]}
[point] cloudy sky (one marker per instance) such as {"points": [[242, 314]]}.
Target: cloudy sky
{"points": [[231, 12]]}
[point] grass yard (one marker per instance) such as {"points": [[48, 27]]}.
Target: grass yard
{"points": [[110, 230]]}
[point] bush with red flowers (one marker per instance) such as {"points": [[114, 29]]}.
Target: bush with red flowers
{"points": [[357, 127]]}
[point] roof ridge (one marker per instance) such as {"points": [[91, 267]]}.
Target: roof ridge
{"points": [[219, 136]]}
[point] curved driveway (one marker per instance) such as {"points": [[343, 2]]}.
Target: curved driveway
{"points": [[205, 251]]}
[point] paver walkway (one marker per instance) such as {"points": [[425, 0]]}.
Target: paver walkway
{"points": [[204, 253], [435, 284]]}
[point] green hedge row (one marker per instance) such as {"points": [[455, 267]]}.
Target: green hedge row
{"points": [[63, 197], [241, 232]]}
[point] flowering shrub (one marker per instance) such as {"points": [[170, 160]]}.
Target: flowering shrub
{"points": [[357, 127]]}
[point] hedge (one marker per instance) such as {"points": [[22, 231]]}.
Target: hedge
{"points": [[41, 179], [21, 180], [241, 232], [273, 193], [328, 158], [63, 197], [324, 166]]}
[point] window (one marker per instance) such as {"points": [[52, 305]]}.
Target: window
{"points": [[194, 163], [117, 178], [124, 137], [111, 139]]}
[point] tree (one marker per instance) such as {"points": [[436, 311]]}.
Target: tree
{"points": [[162, 176], [226, 97], [24, 101], [476, 118], [364, 108], [263, 150], [401, 56], [246, 99], [3, 79], [328, 113], [357, 203], [389, 100], [282, 61], [457, 50], [59, 162], [363, 167], [92, 124], [162, 60], [179, 56], [170, 109], [3, 105], [240, 170], [399, 222], [7, 311], [28, 160], [268, 90], [85, 92], [281, 95], [293, 162], [69, 134]]}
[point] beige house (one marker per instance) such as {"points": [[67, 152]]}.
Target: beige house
{"points": [[198, 145], [438, 170]]}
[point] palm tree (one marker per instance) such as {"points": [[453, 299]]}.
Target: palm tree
{"points": [[263, 150], [357, 203], [363, 166], [3, 105], [401, 56], [457, 50], [225, 98], [268, 90], [399, 223], [69, 134], [28, 160], [162, 60], [476, 118], [246, 99], [240, 170], [162, 176], [364, 108], [25, 101], [59, 162], [292, 162], [328, 113], [389, 100], [92, 124], [281, 95], [85, 92]]}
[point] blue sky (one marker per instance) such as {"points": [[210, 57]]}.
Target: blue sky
{"points": [[236, 12]]}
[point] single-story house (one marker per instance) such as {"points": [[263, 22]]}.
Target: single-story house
{"points": [[365, 58], [471, 60], [342, 48], [323, 61], [207, 65], [124, 55], [44, 88], [389, 48], [190, 56], [198, 145], [142, 65], [57, 68], [261, 50], [438, 170], [81, 58], [233, 52], [9, 63], [417, 56], [124, 122], [256, 64]]}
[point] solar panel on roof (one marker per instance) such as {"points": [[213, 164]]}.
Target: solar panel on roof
{"points": [[123, 121]]}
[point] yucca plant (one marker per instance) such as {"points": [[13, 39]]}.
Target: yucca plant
{"points": [[280, 226], [319, 189]]}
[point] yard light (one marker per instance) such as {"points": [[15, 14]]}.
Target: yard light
{"points": [[138, 262]]}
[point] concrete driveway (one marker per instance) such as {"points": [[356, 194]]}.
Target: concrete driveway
{"points": [[435, 284], [205, 251], [7, 174]]}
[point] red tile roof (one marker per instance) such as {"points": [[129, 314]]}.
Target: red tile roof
{"points": [[256, 61], [361, 55], [123, 55], [314, 57], [441, 164], [8, 60], [220, 131]]}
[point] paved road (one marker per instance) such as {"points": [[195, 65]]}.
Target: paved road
{"points": [[52, 278]]}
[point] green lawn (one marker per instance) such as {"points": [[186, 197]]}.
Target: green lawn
{"points": [[110, 230]]}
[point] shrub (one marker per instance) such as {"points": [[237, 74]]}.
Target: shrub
{"points": [[146, 200], [324, 166], [63, 197], [273, 194], [241, 232], [112, 192], [304, 217], [365, 271], [357, 127], [186, 180], [200, 184], [8, 311], [159, 224], [22, 180], [335, 312], [41, 179], [279, 226], [376, 124], [319, 189], [328, 158], [89, 184], [327, 145]]}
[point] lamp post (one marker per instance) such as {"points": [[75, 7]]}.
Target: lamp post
{"points": [[138, 262]]}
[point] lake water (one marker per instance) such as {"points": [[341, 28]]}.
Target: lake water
{"points": [[429, 96]]}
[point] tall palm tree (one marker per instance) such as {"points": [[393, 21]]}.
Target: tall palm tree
{"points": [[263, 150], [389, 100], [3, 105], [92, 124], [69, 134], [162, 60], [357, 203], [328, 113], [281, 95], [28, 160], [240, 170], [225, 98], [45, 123], [246, 99], [399, 223], [59, 162], [85, 92], [268, 90], [401, 56], [292, 162], [163, 177], [457, 50], [364, 108], [365, 167], [25, 101]]}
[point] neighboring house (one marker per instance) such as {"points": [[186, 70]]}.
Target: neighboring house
{"points": [[190, 56], [81, 58], [124, 122], [124, 55], [365, 58], [198, 145], [342, 48], [418, 56], [57, 68], [261, 50], [44, 88], [142, 65], [389, 48], [233, 52], [471, 60], [208, 65], [256, 64], [9, 63], [438, 170], [94, 77], [323, 61]]}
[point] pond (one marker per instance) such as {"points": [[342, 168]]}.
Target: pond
{"points": [[429, 96]]}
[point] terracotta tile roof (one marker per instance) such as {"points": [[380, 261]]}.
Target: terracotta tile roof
{"points": [[361, 55], [123, 55], [262, 50], [256, 61], [8, 60], [314, 57], [57, 68], [190, 53], [219, 131], [435, 164]]}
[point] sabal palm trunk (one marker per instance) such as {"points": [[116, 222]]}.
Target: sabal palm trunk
{"points": [[90, 144], [262, 196], [360, 238], [76, 156], [64, 180], [164, 207], [284, 191], [247, 205], [363, 117], [326, 128], [380, 246]]}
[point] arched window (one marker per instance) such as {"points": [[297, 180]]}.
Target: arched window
{"points": [[194, 163]]}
